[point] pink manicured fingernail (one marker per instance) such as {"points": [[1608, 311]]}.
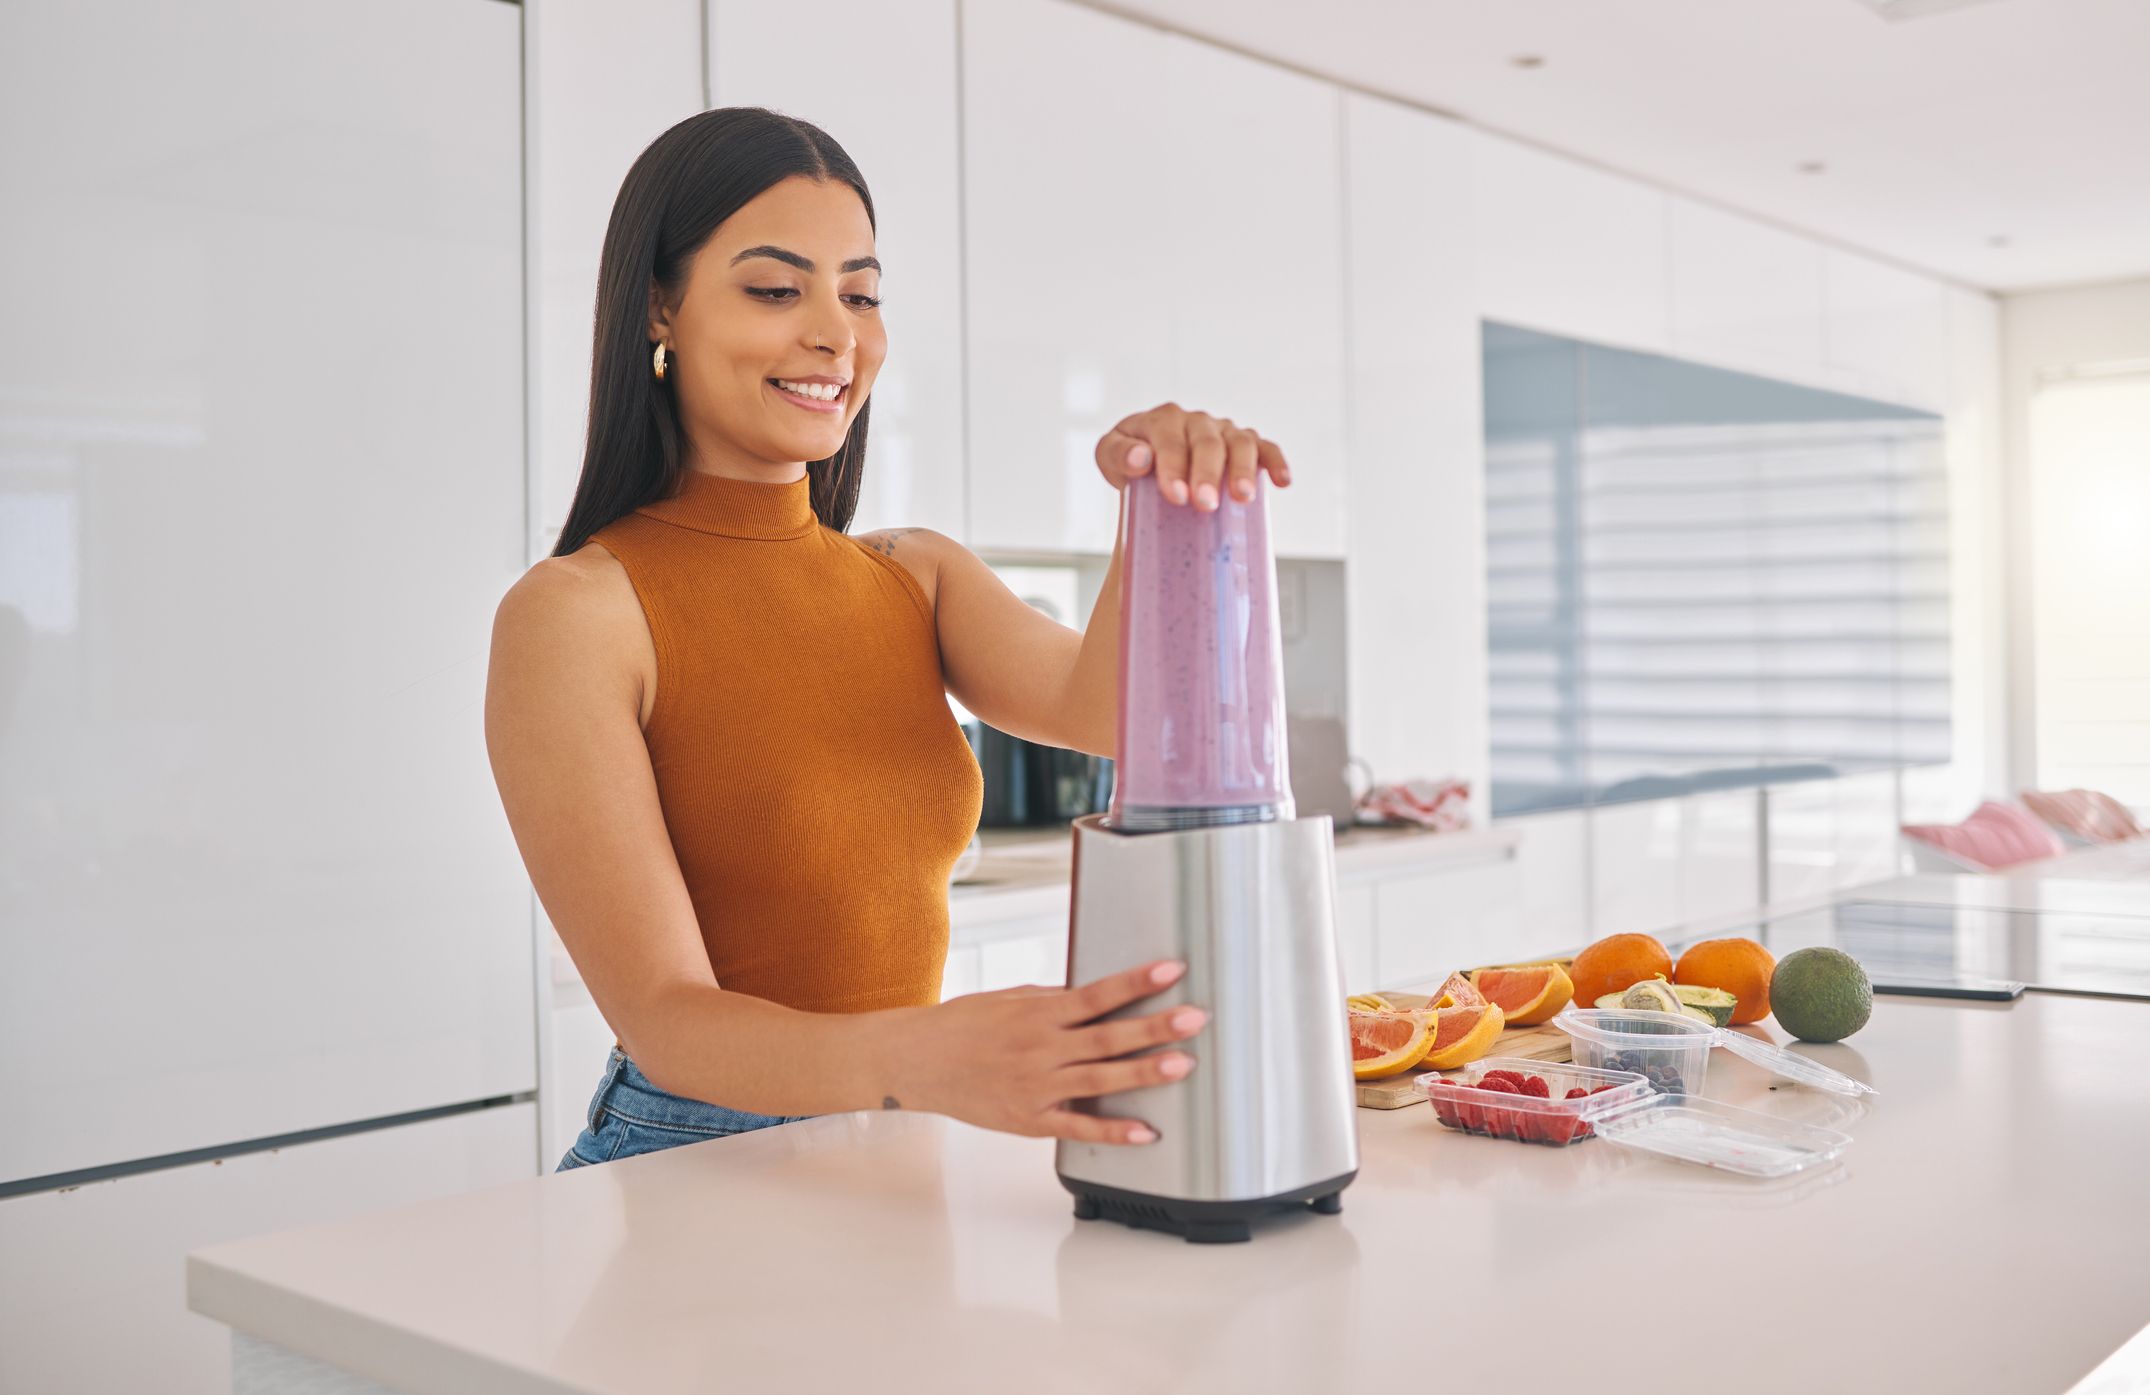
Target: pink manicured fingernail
{"points": [[1179, 491], [1243, 489], [1188, 1018], [1139, 1134], [1165, 973], [1209, 496], [1173, 1067]]}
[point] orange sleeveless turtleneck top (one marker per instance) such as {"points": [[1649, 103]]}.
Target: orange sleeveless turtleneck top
{"points": [[815, 782]]}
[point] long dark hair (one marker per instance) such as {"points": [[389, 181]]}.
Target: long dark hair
{"points": [[689, 180]]}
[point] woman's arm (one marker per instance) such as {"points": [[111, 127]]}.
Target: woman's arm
{"points": [[562, 727], [1018, 669]]}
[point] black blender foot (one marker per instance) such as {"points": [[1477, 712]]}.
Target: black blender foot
{"points": [[1201, 1222]]}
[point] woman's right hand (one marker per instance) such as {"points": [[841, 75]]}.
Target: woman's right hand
{"points": [[1012, 1060]]}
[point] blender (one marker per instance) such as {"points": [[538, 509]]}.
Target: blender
{"points": [[1201, 858]]}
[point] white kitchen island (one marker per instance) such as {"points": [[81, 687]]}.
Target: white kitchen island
{"points": [[1985, 1232]]}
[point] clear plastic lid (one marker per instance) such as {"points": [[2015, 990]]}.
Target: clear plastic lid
{"points": [[1789, 1064], [1625, 1027], [1201, 719], [1718, 1135]]}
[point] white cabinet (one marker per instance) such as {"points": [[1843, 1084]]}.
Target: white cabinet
{"points": [[93, 1278], [1070, 269], [1569, 249], [1355, 912], [604, 81], [1553, 867], [1428, 925], [1745, 295], [1180, 243], [1254, 238], [1868, 845], [880, 77], [1720, 855], [1415, 576], [1636, 855], [256, 874], [1887, 331], [1800, 819]]}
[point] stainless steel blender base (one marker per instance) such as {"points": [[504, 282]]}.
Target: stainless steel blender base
{"points": [[1266, 1120]]}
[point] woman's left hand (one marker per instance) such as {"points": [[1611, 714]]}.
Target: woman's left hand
{"points": [[1195, 455]]}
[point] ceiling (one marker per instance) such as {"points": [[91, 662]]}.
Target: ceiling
{"points": [[2021, 120]]}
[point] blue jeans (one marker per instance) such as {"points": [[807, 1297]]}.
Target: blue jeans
{"points": [[630, 1114]]}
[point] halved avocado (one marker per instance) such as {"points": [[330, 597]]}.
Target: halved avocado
{"points": [[1712, 1003]]}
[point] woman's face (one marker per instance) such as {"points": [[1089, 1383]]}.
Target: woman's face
{"points": [[786, 288]]}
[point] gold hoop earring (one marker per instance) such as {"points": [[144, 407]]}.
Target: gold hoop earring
{"points": [[657, 362]]}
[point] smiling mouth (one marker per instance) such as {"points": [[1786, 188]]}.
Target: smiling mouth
{"points": [[811, 403]]}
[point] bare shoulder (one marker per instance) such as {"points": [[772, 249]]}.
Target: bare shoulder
{"points": [[579, 612], [921, 551]]}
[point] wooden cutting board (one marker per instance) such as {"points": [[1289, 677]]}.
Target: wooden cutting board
{"points": [[1540, 1043]]}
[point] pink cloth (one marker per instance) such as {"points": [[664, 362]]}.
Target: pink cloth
{"points": [[2087, 814], [1993, 837], [1441, 805]]}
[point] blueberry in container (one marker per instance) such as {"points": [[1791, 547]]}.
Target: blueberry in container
{"points": [[1668, 1049]]}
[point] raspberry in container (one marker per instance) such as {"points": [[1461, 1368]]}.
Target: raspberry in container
{"points": [[1501, 1097]]}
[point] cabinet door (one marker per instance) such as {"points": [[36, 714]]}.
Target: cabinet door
{"points": [[605, 81], [1070, 261], [1355, 912], [1255, 248], [1720, 855], [1415, 587], [1431, 924], [1745, 295], [93, 1278], [277, 491], [1801, 843], [880, 76], [1887, 331], [1569, 249], [1636, 855]]}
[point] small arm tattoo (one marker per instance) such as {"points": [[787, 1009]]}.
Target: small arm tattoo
{"points": [[884, 541], [889, 1102]]}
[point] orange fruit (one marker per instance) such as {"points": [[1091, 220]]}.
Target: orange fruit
{"points": [[1616, 964], [1384, 1043], [1527, 993], [1463, 1034], [1739, 966]]}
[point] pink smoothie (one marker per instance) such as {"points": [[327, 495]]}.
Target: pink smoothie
{"points": [[1201, 722]]}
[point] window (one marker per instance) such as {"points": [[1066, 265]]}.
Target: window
{"points": [[1701, 579]]}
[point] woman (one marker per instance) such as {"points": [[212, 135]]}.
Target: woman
{"points": [[719, 723]]}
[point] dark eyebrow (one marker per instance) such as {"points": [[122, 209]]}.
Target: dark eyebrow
{"points": [[855, 264]]}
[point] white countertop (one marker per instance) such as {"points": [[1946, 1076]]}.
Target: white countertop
{"points": [[1983, 1233]]}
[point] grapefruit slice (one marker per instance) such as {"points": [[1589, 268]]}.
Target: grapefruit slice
{"points": [[1527, 993], [1462, 1034], [1385, 1043], [1459, 991]]}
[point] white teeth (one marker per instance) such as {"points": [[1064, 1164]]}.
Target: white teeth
{"points": [[822, 392]]}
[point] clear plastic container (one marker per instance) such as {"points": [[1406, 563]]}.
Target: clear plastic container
{"points": [[1668, 1049], [1554, 1120], [1201, 719], [1720, 1136], [1672, 1050]]}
